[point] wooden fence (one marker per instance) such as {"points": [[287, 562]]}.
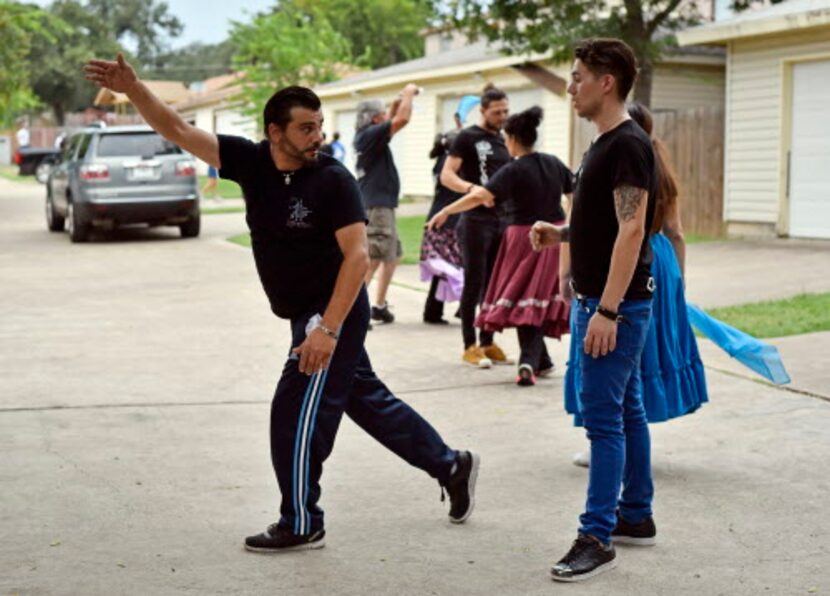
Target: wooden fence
{"points": [[694, 139]]}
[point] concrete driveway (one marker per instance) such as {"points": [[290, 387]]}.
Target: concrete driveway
{"points": [[135, 380]]}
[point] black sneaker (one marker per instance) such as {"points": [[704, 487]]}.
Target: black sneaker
{"points": [[382, 314], [525, 378], [462, 486], [642, 534], [279, 540], [438, 321], [588, 557]]}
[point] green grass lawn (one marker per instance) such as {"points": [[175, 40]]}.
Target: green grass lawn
{"points": [[222, 210], [241, 240], [10, 173], [805, 313], [410, 231], [227, 189]]}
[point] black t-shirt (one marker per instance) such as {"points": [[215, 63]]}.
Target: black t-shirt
{"points": [[293, 223], [530, 189], [482, 153], [622, 156], [443, 195], [376, 171]]}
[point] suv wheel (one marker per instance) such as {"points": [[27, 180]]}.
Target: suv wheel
{"points": [[42, 172], [191, 228], [54, 222], [78, 230]]}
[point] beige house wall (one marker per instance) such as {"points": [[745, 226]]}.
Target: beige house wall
{"points": [[676, 86], [686, 86], [412, 148], [757, 133]]}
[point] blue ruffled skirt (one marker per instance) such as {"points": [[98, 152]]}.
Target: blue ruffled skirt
{"points": [[674, 381]]}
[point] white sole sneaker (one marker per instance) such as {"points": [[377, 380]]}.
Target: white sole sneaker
{"points": [[485, 363], [631, 541], [582, 577], [471, 488], [289, 549], [582, 460]]}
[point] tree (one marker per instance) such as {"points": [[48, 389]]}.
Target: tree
{"points": [[287, 47], [20, 27], [144, 21], [56, 64], [555, 26], [380, 32], [194, 62]]}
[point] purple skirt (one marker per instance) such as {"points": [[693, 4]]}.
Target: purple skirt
{"points": [[441, 258]]}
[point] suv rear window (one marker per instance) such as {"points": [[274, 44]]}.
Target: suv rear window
{"points": [[135, 144]]}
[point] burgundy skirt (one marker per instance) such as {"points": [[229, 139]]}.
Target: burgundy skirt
{"points": [[524, 288]]}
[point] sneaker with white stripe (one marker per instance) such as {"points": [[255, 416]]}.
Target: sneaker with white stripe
{"points": [[276, 539]]}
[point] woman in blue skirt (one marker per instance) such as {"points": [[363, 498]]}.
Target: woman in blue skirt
{"points": [[674, 382]]}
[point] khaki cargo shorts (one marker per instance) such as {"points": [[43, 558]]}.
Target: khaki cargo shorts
{"points": [[384, 244]]}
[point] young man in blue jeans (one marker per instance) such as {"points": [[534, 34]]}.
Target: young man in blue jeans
{"points": [[611, 277]]}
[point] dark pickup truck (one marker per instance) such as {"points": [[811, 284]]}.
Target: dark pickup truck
{"points": [[36, 161]]}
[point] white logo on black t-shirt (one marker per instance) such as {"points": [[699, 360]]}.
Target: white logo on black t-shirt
{"points": [[484, 150], [297, 213]]}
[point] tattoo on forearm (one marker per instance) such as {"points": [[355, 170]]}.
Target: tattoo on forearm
{"points": [[627, 200], [565, 234]]}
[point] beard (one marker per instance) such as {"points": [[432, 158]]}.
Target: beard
{"points": [[290, 149], [491, 126]]}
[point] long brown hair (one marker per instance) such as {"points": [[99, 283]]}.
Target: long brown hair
{"points": [[667, 189]]}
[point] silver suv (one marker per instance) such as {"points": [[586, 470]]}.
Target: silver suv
{"points": [[122, 175]]}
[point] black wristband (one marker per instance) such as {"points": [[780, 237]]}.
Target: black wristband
{"points": [[609, 314]]}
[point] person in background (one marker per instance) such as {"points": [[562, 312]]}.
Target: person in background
{"points": [[23, 137], [524, 287], [338, 149], [326, 148], [212, 185], [476, 154], [380, 186], [440, 252]]}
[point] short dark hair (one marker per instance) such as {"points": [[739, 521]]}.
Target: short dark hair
{"points": [[490, 94], [522, 126], [612, 57], [278, 109]]}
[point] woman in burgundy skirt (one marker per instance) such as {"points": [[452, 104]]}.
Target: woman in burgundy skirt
{"points": [[524, 286]]}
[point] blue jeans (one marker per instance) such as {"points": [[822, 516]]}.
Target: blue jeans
{"points": [[615, 422]]}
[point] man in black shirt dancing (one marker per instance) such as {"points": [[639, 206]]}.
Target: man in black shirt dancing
{"points": [[308, 233]]}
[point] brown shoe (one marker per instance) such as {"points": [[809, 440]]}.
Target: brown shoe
{"points": [[496, 354], [475, 356]]}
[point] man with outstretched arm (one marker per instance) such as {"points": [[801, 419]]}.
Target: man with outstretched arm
{"points": [[380, 185], [611, 271], [308, 233]]}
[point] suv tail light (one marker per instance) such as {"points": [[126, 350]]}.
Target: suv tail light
{"points": [[18, 158], [93, 171], [186, 168]]}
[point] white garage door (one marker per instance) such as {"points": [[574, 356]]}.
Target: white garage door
{"points": [[810, 151]]}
